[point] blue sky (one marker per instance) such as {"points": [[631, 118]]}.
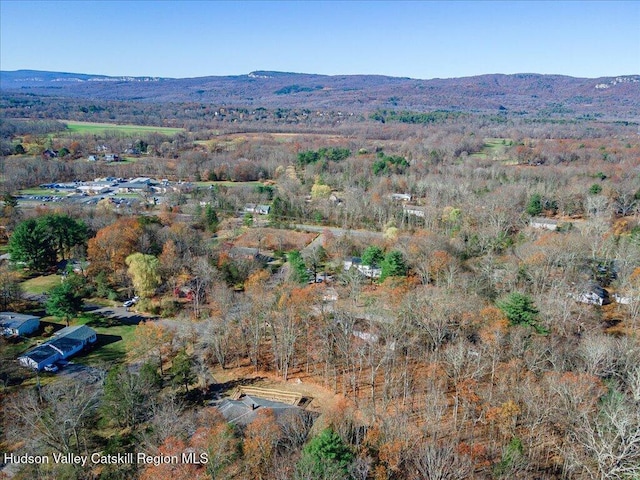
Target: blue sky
{"points": [[418, 39]]}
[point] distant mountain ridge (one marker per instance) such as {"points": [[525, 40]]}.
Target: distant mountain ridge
{"points": [[526, 94]]}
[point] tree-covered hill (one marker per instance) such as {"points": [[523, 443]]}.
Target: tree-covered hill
{"points": [[522, 94]]}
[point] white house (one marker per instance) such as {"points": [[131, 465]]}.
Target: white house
{"points": [[544, 223], [366, 270], [414, 210], [17, 324], [260, 209], [622, 300], [403, 197]]}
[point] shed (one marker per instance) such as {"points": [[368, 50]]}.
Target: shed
{"points": [[12, 323]]}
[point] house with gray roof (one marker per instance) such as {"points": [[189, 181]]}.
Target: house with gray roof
{"points": [[244, 411], [259, 209], [82, 333], [64, 344]]}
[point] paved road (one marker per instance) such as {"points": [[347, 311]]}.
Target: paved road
{"points": [[124, 315], [339, 232]]}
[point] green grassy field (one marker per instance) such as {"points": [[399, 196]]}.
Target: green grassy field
{"points": [[113, 338], [494, 148], [227, 184], [98, 128], [39, 285], [41, 191]]}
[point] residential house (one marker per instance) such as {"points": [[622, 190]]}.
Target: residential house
{"points": [[352, 262], [245, 410], [41, 356], [544, 223], [81, 333], [366, 270], [594, 294], [17, 324], [622, 299], [415, 210], [402, 197], [259, 209], [65, 343]]}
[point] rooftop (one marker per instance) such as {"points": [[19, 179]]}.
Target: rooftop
{"points": [[14, 320], [64, 344], [77, 332], [43, 352], [245, 410]]}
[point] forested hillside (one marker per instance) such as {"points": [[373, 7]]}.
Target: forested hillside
{"points": [[521, 94]]}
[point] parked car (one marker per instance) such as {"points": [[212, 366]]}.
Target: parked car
{"points": [[131, 302]]}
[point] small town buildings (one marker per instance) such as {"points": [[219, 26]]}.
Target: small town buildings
{"points": [[93, 188], [17, 324], [134, 186], [65, 343]]}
